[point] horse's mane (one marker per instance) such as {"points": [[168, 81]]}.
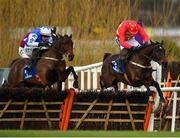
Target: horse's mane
{"points": [[143, 46], [58, 39]]}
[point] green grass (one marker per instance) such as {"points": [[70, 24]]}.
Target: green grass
{"points": [[55, 133]]}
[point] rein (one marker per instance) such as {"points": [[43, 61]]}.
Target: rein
{"points": [[141, 66], [50, 58]]}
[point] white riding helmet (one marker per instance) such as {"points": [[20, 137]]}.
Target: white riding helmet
{"points": [[45, 30]]}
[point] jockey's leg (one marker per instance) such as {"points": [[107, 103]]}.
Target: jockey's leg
{"points": [[123, 56], [34, 56], [22, 53], [133, 42]]}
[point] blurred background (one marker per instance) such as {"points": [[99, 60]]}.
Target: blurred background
{"points": [[92, 23]]}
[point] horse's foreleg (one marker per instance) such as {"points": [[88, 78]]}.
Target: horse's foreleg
{"points": [[156, 85], [75, 84], [59, 85], [64, 75], [149, 93]]}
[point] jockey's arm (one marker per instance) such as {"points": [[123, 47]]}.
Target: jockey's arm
{"points": [[31, 41], [121, 35], [143, 34]]}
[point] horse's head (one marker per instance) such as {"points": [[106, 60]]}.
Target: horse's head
{"points": [[65, 45], [158, 53]]}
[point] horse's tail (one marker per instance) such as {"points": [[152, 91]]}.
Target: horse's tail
{"points": [[106, 55]]}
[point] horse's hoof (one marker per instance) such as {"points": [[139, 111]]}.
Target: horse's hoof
{"points": [[75, 84], [149, 93]]}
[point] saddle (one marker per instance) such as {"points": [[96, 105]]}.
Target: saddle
{"points": [[119, 65]]}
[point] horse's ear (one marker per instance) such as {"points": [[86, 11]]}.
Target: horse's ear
{"points": [[53, 30], [151, 41], [70, 36]]}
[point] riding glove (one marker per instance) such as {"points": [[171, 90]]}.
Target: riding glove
{"points": [[43, 44], [134, 48]]}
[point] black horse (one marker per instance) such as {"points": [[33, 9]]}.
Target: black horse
{"points": [[138, 68], [51, 67]]}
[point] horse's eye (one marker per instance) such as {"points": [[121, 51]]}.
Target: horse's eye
{"points": [[160, 51]]}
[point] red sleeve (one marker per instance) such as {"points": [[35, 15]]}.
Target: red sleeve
{"points": [[121, 35], [22, 43], [143, 34]]}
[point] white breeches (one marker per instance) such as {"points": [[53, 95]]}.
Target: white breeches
{"points": [[23, 53], [132, 42]]}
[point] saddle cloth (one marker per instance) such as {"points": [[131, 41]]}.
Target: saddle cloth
{"points": [[30, 72], [118, 67]]}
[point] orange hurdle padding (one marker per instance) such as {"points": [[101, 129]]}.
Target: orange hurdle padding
{"points": [[147, 116], [168, 84], [149, 109], [66, 110], [63, 112]]}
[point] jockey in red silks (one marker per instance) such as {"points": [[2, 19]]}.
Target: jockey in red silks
{"points": [[125, 37]]}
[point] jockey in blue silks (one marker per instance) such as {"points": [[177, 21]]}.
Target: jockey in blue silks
{"points": [[37, 39]]}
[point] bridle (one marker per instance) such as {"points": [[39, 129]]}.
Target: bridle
{"points": [[59, 50], [147, 57]]}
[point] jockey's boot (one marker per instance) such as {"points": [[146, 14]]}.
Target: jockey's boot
{"points": [[30, 64], [121, 62], [122, 59]]}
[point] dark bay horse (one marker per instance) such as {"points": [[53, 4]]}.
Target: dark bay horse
{"points": [[138, 68], [51, 67]]}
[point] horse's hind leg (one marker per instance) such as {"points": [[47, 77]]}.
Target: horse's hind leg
{"points": [[101, 83], [55, 86]]}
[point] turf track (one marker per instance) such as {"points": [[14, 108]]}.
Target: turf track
{"points": [[52, 133]]}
